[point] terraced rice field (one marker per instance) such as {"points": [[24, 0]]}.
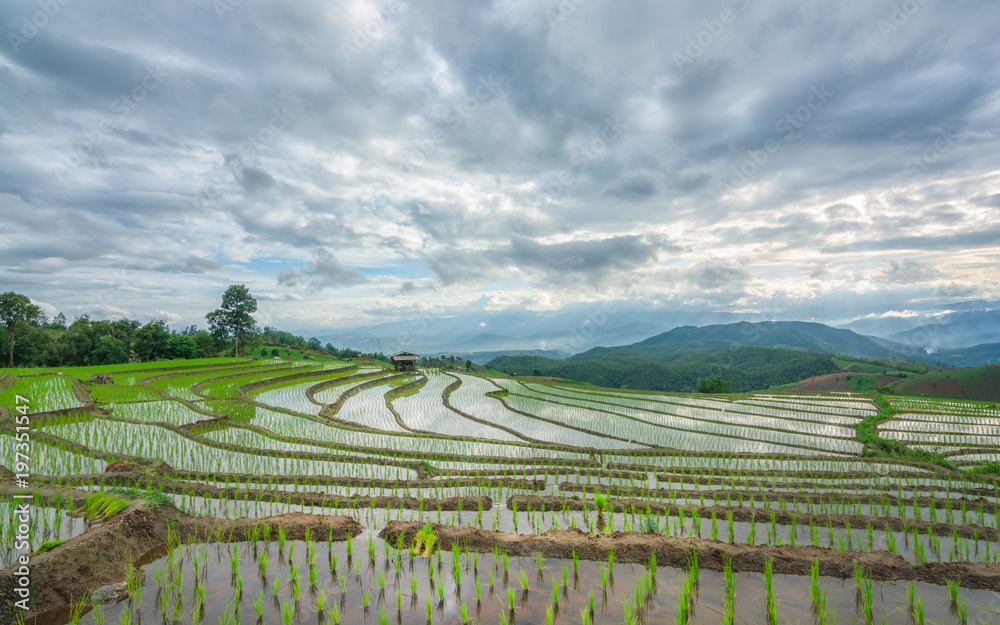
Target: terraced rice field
{"points": [[270, 493]]}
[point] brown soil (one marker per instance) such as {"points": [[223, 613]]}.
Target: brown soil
{"points": [[936, 386], [637, 548], [102, 555], [829, 382], [120, 466]]}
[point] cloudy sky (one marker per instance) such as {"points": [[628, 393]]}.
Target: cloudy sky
{"points": [[355, 162]]}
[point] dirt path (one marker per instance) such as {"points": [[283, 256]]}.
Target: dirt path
{"points": [[102, 555], [637, 548]]}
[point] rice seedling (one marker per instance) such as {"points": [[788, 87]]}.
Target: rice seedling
{"points": [[772, 608]]}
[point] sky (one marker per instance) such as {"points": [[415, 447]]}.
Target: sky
{"points": [[358, 162]]}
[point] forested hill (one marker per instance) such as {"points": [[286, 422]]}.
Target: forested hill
{"points": [[746, 368], [806, 336], [748, 355]]}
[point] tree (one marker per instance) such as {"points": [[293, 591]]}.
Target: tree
{"points": [[109, 351], [60, 320], [275, 352], [151, 340], [15, 307], [233, 319], [537, 373], [468, 365], [314, 344], [182, 346], [714, 385]]}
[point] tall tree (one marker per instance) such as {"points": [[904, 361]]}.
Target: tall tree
{"points": [[151, 340], [15, 307], [234, 318]]}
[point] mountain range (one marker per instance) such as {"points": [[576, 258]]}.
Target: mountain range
{"points": [[750, 356], [959, 334]]}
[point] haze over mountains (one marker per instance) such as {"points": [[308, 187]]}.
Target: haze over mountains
{"points": [[963, 334]]}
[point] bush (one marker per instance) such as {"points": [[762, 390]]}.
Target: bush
{"points": [[714, 385]]}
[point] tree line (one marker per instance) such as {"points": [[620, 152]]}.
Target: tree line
{"points": [[32, 339]]}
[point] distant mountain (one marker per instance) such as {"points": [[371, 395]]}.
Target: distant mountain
{"points": [[959, 324], [800, 335], [570, 330], [580, 328], [975, 356], [481, 358], [961, 329], [749, 355]]}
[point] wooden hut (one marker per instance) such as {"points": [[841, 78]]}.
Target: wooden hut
{"points": [[404, 361]]}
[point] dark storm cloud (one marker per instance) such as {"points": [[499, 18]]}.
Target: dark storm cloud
{"points": [[718, 274], [590, 261]]}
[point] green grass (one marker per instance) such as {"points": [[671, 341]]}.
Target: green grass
{"points": [[228, 388], [294, 354], [862, 383], [875, 446], [86, 372], [48, 545], [989, 468], [236, 409], [101, 506], [119, 393], [279, 384], [153, 498]]}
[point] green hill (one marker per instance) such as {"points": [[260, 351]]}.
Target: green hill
{"points": [[746, 368], [805, 336], [751, 356]]}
